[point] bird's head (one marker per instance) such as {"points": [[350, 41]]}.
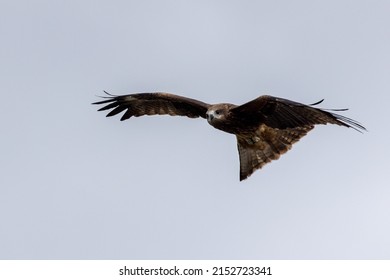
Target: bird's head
{"points": [[216, 113]]}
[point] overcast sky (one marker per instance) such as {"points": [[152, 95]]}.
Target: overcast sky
{"points": [[77, 185]]}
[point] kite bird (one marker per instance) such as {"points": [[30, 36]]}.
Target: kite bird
{"points": [[265, 127]]}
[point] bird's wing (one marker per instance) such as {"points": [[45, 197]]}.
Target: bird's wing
{"points": [[158, 103], [282, 113], [277, 124]]}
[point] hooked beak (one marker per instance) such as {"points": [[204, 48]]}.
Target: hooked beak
{"points": [[209, 117]]}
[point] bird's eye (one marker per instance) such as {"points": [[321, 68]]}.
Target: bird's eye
{"points": [[217, 112]]}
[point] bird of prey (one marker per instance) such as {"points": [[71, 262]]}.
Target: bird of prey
{"points": [[265, 127]]}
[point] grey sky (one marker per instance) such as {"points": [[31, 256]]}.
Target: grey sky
{"points": [[75, 184]]}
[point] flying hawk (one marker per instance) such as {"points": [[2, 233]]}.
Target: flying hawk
{"points": [[265, 127]]}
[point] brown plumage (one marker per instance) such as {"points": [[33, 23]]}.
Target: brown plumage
{"points": [[265, 127]]}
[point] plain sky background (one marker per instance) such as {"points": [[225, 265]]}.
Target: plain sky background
{"points": [[78, 185]]}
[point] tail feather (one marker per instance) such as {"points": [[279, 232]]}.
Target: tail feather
{"points": [[265, 145]]}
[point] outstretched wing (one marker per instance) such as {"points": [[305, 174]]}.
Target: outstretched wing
{"points": [[158, 103], [275, 125], [281, 113]]}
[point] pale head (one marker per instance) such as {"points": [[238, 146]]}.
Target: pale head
{"points": [[216, 113]]}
